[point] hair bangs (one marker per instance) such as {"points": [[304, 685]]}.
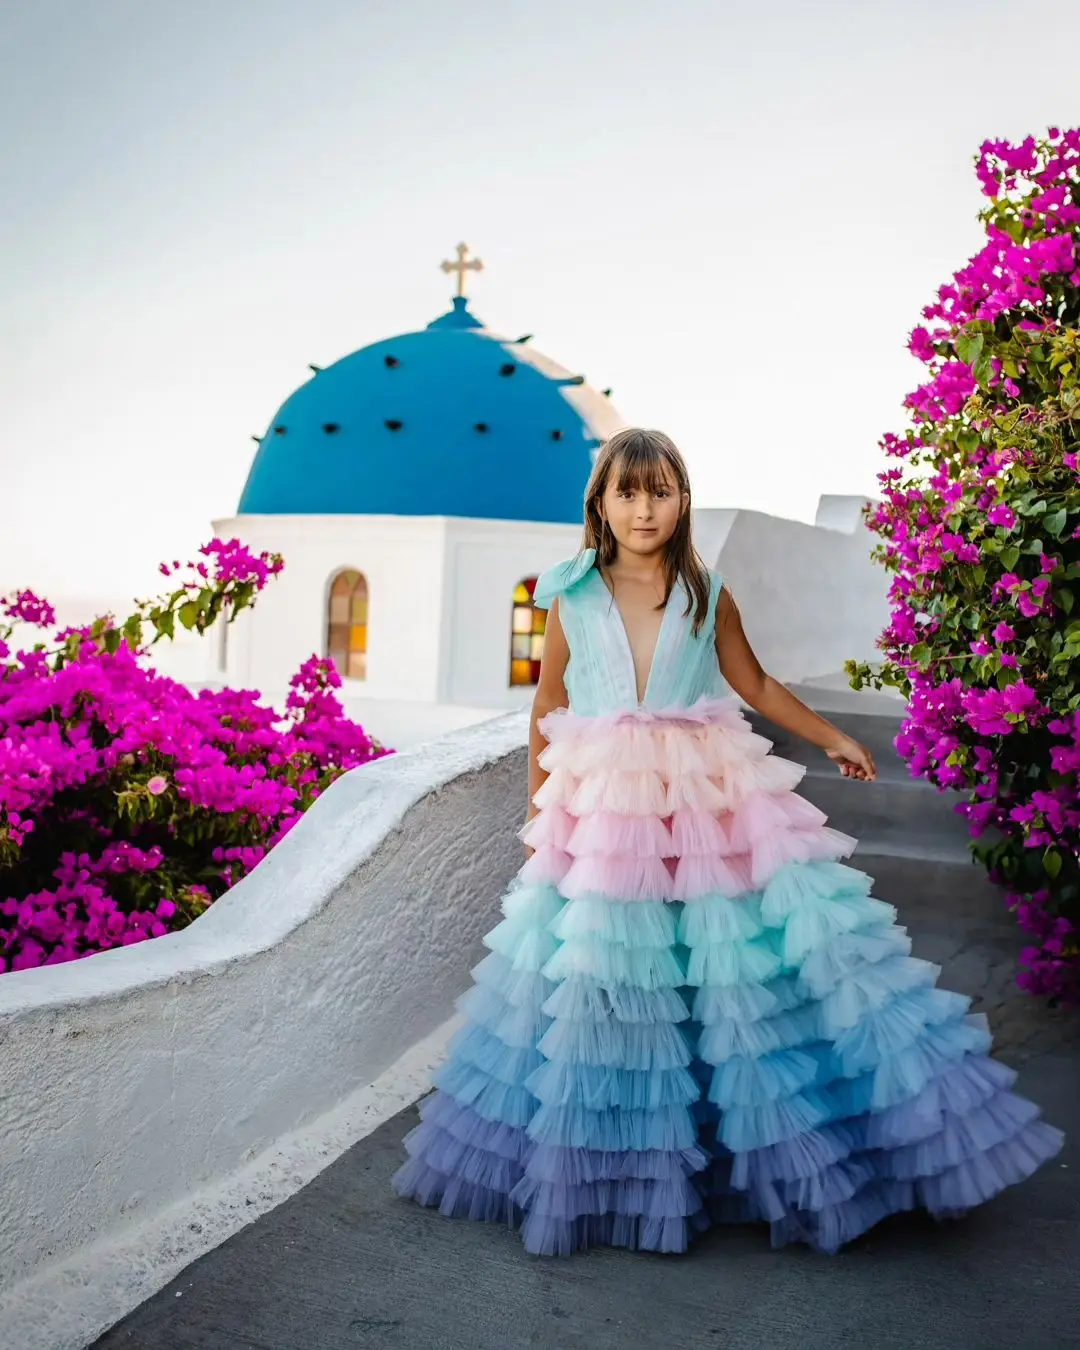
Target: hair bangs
{"points": [[641, 465]]}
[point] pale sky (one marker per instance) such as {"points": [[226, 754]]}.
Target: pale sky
{"points": [[730, 213]]}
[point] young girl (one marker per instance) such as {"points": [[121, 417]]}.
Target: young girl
{"points": [[692, 1011]]}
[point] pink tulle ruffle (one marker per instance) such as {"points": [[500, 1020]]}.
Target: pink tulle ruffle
{"points": [[669, 805]]}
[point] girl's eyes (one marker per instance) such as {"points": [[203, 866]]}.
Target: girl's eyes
{"points": [[629, 496]]}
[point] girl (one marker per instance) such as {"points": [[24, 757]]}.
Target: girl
{"points": [[692, 1011]]}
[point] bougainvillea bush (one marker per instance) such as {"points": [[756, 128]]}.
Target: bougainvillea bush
{"points": [[128, 804], [980, 524]]}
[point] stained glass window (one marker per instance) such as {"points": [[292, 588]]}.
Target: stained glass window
{"points": [[347, 625], [527, 625]]}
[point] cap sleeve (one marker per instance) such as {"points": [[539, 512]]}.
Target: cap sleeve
{"points": [[562, 577]]}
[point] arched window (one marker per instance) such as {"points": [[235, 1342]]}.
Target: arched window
{"points": [[346, 627], [527, 626]]}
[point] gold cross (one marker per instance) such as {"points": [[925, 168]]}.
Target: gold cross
{"points": [[461, 266]]}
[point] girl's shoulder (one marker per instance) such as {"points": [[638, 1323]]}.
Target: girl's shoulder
{"points": [[565, 576]]}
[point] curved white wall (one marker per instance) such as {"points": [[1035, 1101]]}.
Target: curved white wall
{"points": [[810, 597], [137, 1079]]}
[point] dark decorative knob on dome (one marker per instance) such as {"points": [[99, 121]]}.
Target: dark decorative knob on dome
{"points": [[279, 430], [606, 393], [525, 337], [508, 368], [391, 361], [331, 427], [481, 427], [394, 424], [315, 370], [556, 435], [573, 379]]}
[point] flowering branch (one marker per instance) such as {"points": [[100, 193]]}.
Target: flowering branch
{"points": [[980, 529], [128, 804]]}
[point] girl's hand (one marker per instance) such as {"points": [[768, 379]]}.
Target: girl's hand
{"points": [[853, 759]]}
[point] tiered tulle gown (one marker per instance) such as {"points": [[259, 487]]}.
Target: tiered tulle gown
{"points": [[692, 1011]]}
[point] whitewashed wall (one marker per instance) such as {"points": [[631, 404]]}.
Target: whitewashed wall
{"points": [[485, 561], [440, 593], [810, 597], [402, 559], [139, 1082]]}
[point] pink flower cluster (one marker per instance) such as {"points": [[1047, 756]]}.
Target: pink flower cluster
{"points": [[26, 607], [128, 803], [229, 562], [981, 536]]}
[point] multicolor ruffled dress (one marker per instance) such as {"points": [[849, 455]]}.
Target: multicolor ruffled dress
{"points": [[692, 1011]]}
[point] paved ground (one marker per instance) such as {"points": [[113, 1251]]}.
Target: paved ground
{"points": [[346, 1264]]}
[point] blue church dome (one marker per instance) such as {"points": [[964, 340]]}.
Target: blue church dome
{"points": [[452, 420]]}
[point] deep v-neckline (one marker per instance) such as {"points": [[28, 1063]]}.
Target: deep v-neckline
{"points": [[628, 646]]}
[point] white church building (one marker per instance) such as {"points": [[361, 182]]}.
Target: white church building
{"points": [[418, 486]]}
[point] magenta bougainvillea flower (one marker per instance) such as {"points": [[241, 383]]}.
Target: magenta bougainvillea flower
{"points": [[128, 804], [980, 527]]}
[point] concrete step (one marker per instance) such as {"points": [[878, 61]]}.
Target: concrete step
{"points": [[875, 731], [836, 695], [896, 815], [905, 819]]}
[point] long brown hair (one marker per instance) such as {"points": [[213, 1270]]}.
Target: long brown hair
{"points": [[640, 458]]}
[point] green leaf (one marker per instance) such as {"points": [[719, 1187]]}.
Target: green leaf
{"points": [[969, 346], [189, 614], [1064, 600], [1009, 557], [968, 441], [1051, 861], [1055, 522], [983, 371]]}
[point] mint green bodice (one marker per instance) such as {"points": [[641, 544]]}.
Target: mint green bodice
{"points": [[600, 674]]}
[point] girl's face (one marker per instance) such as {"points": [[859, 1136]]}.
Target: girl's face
{"points": [[641, 520]]}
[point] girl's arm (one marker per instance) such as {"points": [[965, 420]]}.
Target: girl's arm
{"points": [[550, 694], [742, 671]]}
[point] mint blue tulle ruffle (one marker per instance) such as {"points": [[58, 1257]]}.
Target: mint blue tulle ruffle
{"points": [[631, 1071]]}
